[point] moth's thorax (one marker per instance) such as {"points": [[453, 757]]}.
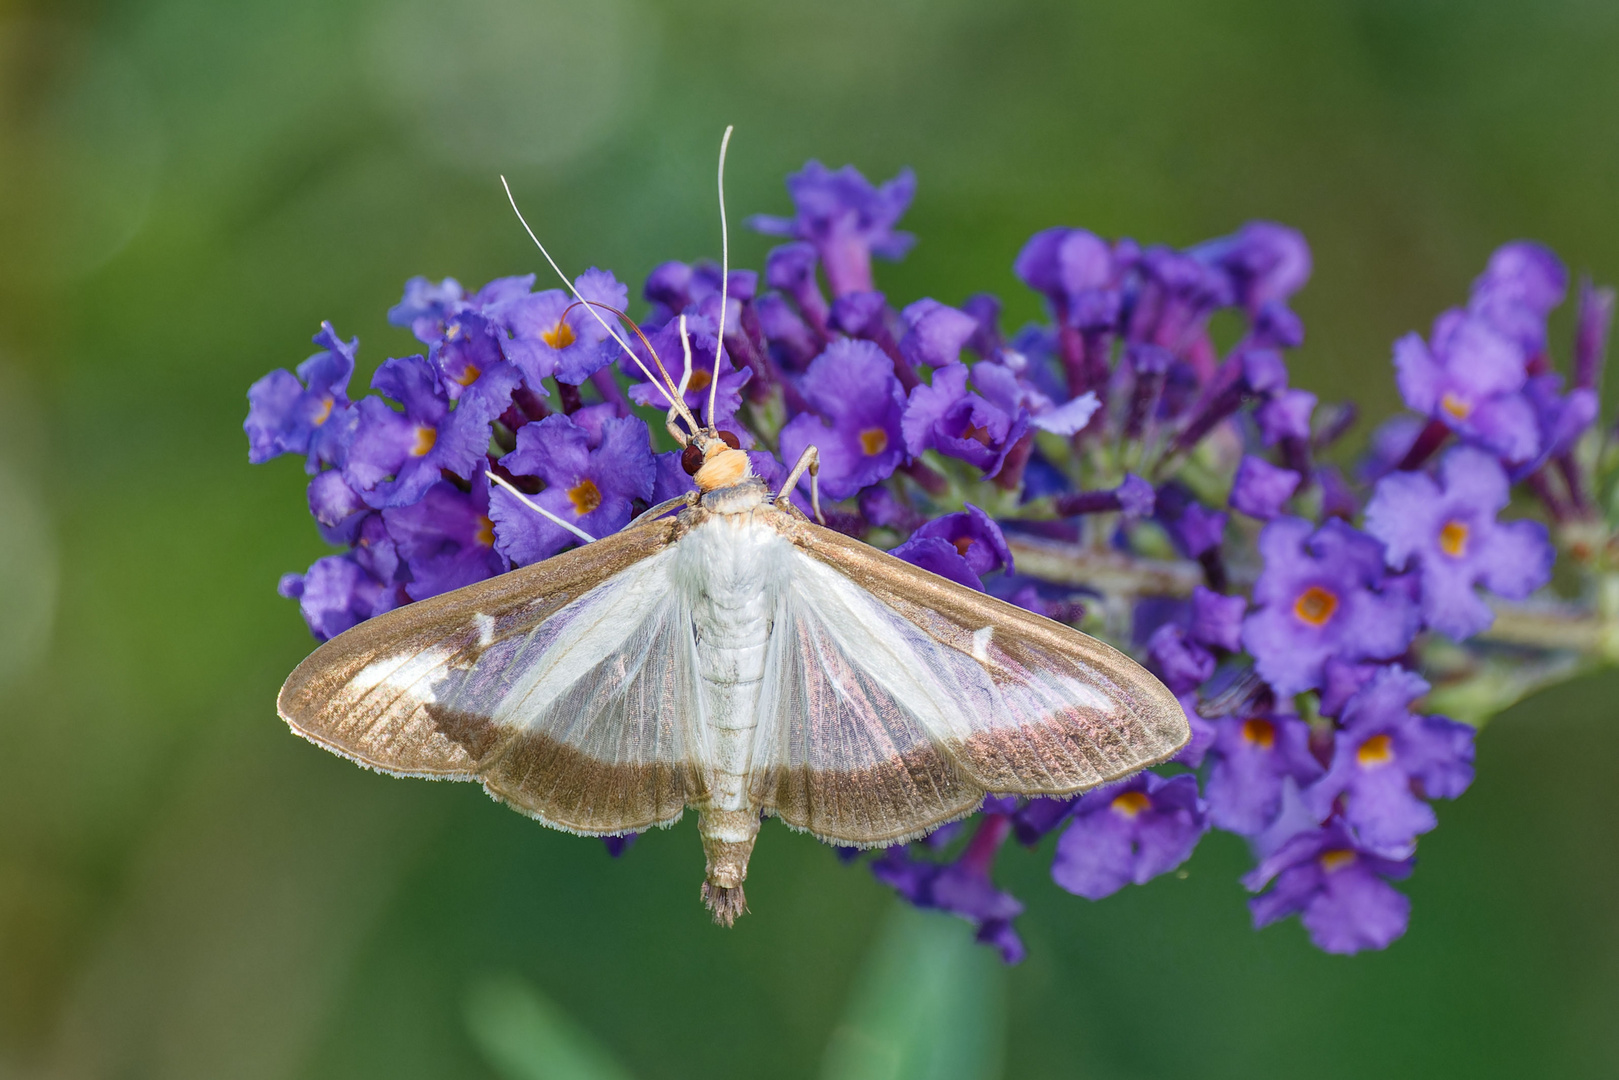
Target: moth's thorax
{"points": [[737, 498]]}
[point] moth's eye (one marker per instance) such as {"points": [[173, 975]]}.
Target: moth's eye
{"points": [[730, 440], [691, 459]]}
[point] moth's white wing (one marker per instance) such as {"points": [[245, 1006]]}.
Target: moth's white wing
{"points": [[567, 688], [897, 698]]}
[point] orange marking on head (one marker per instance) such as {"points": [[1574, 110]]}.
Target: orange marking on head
{"points": [[1315, 605], [723, 468], [1131, 803], [1259, 732], [585, 496], [425, 438], [1337, 859], [1376, 751], [559, 336], [873, 441], [1453, 539]]}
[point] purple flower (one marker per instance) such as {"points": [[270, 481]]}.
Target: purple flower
{"points": [[847, 219], [1286, 415], [1129, 832], [1340, 889], [1079, 272], [545, 342], [791, 268], [858, 405], [446, 539], [589, 483], [666, 342], [1521, 284], [947, 417], [1261, 489], [304, 413], [340, 591], [1178, 292], [1384, 755], [1321, 595], [1266, 262], [963, 547], [1182, 664], [1198, 530], [962, 887], [1472, 381], [1010, 391], [1251, 757], [1447, 530], [1217, 619], [1560, 418], [937, 332], [429, 310], [395, 456]]}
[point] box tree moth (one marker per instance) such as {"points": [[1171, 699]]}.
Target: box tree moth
{"points": [[739, 659]]}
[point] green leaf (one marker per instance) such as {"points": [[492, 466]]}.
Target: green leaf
{"points": [[524, 1036], [930, 1004]]}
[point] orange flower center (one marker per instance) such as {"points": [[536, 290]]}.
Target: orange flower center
{"points": [[873, 441], [1332, 861], [469, 376], [1315, 605], [700, 380], [1455, 407], [584, 496], [975, 432], [1260, 733], [325, 411], [1453, 539], [962, 545], [1131, 803], [559, 336], [486, 532], [1376, 751], [425, 438]]}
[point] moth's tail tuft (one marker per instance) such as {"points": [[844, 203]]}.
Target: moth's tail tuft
{"points": [[726, 904]]}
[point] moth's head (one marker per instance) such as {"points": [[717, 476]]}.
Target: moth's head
{"points": [[715, 460]]}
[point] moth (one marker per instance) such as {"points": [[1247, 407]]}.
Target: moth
{"points": [[739, 659]]}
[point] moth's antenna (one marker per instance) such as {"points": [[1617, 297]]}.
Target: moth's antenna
{"points": [[725, 279], [685, 376], [540, 510], [685, 413]]}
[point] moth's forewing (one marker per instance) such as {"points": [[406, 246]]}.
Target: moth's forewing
{"points": [[428, 690], [1030, 706]]}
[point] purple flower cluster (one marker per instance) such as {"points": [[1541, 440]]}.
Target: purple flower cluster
{"points": [[1112, 438]]}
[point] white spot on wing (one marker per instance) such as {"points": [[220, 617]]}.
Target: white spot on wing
{"points": [[401, 674], [485, 625], [981, 639]]}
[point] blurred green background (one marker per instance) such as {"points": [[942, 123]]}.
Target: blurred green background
{"points": [[187, 187]]}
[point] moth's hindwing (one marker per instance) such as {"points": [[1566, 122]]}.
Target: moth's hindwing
{"points": [[1015, 702], [558, 685]]}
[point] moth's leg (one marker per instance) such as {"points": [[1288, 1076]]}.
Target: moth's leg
{"points": [[664, 507], [809, 460]]}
